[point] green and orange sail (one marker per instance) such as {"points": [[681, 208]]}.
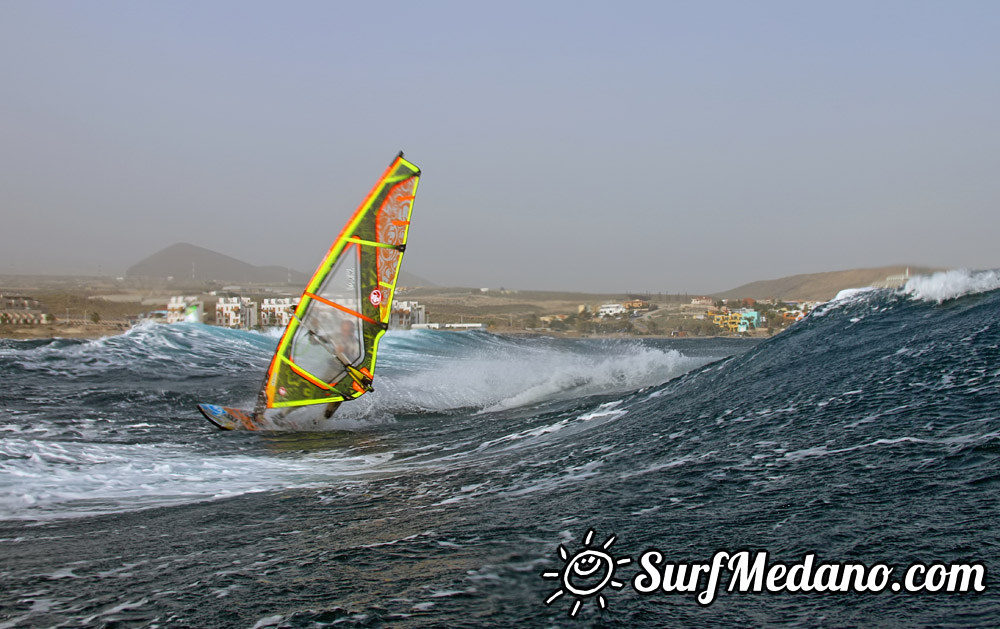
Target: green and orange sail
{"points": [[328, 351]]}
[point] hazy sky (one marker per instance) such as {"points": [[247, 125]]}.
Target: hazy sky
{"points": [[600, 146]]}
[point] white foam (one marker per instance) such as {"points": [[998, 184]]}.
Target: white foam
{"points": [[852, 294], [511, 376], [945, 285], [844, 298], [820, 451], [657, 467], [606, 410], [268, 621], [42, 480]]}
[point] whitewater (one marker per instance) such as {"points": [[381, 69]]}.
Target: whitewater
{"points": [[868, 432]]}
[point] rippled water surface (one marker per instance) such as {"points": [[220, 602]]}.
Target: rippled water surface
{"points": [[868, 433]]}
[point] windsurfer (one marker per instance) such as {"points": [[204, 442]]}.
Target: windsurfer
{"points": [[347, 344], [329, 347], [348, 348]]}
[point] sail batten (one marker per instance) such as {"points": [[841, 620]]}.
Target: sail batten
{"points": [[342, 308], [369, 243], [328, 350]]}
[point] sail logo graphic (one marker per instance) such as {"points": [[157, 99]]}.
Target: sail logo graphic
{"points": [[586, 573], [375, 297]]}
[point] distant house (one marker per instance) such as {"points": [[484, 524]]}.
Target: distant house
{"points": [[277, 311], [18, 309], [236, 312], [751, 317], [550, 318], [894, 281], [701, 301], [181, 308], [636, 304], [611, 310], [740, 321], [407, 314]]}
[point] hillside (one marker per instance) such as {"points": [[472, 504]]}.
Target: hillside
{"points": [[817, 286], [184, 261]]}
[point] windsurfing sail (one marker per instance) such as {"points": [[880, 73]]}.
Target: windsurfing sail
{"points": [[328, 350]]}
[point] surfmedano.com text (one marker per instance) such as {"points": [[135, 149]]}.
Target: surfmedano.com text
{"points": [[752, 573]]}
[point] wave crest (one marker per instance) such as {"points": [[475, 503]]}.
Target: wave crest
{"points": [[945, 285]]}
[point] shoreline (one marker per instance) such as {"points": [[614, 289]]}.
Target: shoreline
{"points": [[56, 330], [101, 330]]}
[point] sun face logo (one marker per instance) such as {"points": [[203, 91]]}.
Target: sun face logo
{"points": [[586, 573]]}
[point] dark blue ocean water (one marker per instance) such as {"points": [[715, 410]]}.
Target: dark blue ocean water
{"points": [[866, 433]]}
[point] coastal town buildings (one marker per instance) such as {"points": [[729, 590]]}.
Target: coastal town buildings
{"points": [[277, 311], [244, 312], [448, 326], [406, 314], [636, 304], [742, 320], [181, 308], [649, 318], [548, 319], [236, 312], [611, 310], [20, 310], [894, 281]]}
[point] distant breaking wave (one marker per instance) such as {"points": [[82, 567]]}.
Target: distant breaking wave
{"points": [[945, 285]]}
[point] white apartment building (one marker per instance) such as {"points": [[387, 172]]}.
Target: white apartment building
{"points": [[611, 310], [277, 311], [236, 312], [182, 308], [406, 314]]}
